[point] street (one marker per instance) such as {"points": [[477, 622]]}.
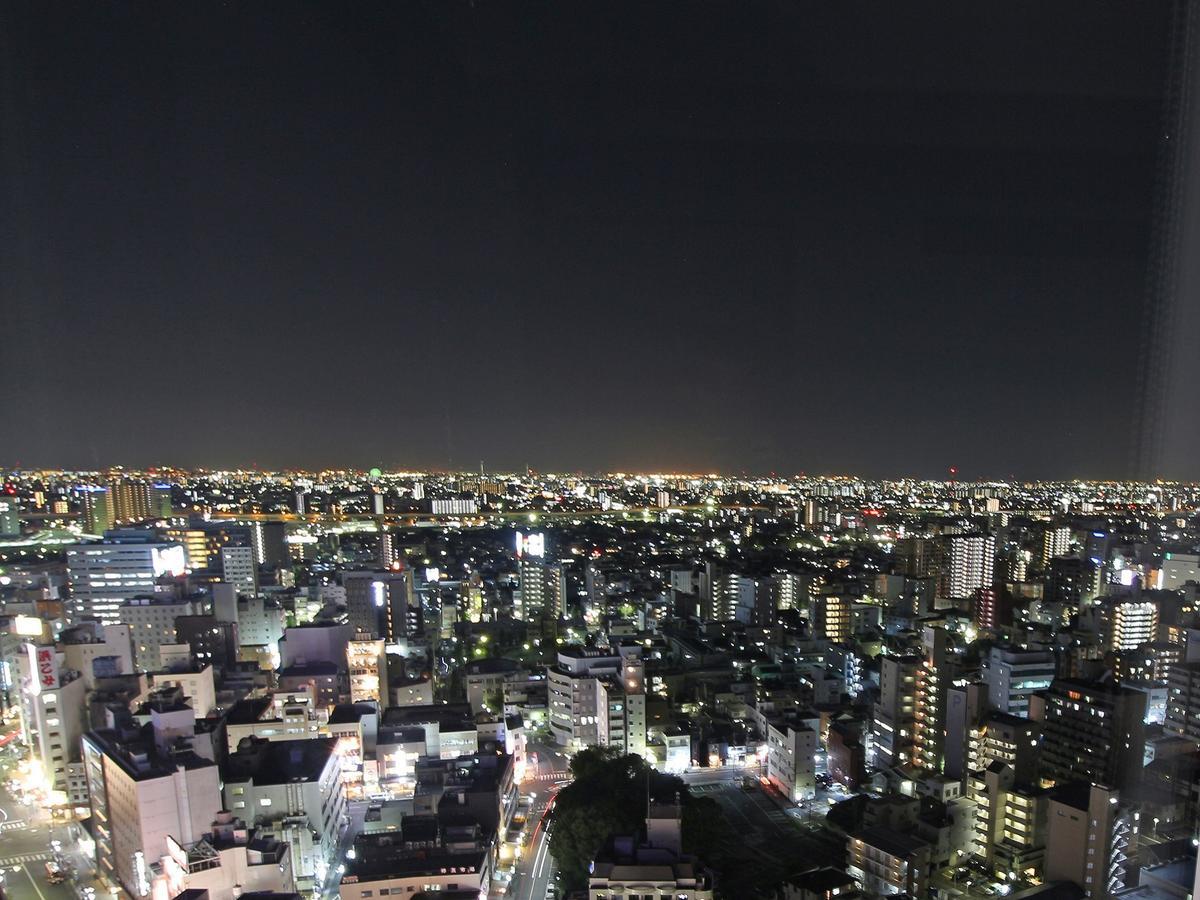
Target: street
{"points": [[25, 835]]}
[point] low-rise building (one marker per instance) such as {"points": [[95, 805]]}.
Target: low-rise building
{"points": [[886, 861], [655, 867]]}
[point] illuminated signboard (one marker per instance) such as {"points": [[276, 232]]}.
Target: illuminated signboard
{"points": [[27, 626], [531, 545], [169, 561], [44, 666]]}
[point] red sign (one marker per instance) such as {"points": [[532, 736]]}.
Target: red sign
{"points": [[47, 668]]}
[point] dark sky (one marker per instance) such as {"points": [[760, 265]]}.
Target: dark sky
{"points": [[868, 237]]}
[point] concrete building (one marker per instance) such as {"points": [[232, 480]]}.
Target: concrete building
{"points": [[292, 791], [934, 674], [141, 795], [1129, 622], [572, 694], [97, 650], [1178, 569], [274, 717], [104, 576], [1183, 701], [894, 718], [228, 861], [792, 746], [53, 717], [1092, 732], [886, 861], [384, 604], [151, 622], [1012, 674], [1091, 839], [424, 856], [366, 661], [971, 559], [239, 568], [621, 708]]}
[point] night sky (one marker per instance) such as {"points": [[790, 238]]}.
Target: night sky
{"points": [[848, 237]]}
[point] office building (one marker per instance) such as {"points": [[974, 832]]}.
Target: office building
{"points": [[104, 576], [383, 604], [151, 622], [53, 716]]}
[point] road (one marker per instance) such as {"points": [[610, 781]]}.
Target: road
{"points": [[535, 869], [25, 835]]}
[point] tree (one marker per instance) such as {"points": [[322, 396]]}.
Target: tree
{"points": [[607, 797]]}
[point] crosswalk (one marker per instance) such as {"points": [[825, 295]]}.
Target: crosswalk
{"points": [[549, 776], [25, 858], [778, 815], [12, 826]]}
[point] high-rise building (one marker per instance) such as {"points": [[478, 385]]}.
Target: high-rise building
{"points": [[971, 561], [1055, 542], [103, 576], [132, 500], [1130, 622], [52, 719], [383, 604], [269, 540], [1091, 732], [543, 595], [832, 616], [934, 676], [239, 569], [1183, 701], [97, 510], [894, 717], [1091, 839]]}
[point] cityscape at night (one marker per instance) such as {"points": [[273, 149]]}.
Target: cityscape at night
{"points": [[523, 450]]}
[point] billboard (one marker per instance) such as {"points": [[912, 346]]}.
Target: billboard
{"points": [[170, 560], [43, 664], [531, 545]]}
